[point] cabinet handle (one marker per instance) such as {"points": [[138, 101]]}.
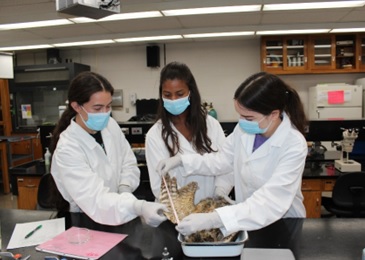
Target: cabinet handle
{"points": [[20, 179], [30, 186], [318, 206]]}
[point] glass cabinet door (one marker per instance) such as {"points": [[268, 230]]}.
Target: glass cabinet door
{"points": [[346, 52], [272, 54], [296, 53], [322, 52]]}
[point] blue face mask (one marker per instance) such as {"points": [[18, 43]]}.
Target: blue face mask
{"points": [[177, 106], [96, 121], [252, 127]]}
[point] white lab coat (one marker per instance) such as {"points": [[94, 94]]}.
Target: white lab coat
{"points": [[267, 181], [156, 151], [88, 178]]}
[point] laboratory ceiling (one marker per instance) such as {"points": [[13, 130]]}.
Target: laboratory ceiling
{"points": [[14, 11]]}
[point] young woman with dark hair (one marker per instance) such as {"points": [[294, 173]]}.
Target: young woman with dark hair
{"points": [[266, 151], [93, 165], [183, 127]]}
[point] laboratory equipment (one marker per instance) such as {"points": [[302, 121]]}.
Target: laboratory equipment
{"points": [[335, 101], [344, 164]]}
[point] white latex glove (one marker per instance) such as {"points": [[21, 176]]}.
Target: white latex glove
{"points": [[165, 165], [124, 188], [199, 221], [220, 192], [150, 212]]}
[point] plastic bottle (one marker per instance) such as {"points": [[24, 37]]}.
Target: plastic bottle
{"points": [[212, 111], [47, 159]]}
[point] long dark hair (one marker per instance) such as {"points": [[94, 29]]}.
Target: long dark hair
{"points": [[264, 92], [82, 87], [196, 114]]}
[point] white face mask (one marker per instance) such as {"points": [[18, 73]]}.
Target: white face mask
{"points": [[96, 121]]}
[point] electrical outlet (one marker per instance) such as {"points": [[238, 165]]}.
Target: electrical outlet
{"points": [[136, 130], [125, 130]]}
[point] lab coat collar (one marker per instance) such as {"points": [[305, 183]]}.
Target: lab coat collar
{"points": [[87, 139], [276, 140]]}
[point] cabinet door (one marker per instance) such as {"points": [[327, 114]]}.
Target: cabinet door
{"points": [[272, 54], [312, 193], [27, 192], [361, 51], [322, 52], [346, 57], [312, 203], [21, 147], [295, 51], [5, 117]]}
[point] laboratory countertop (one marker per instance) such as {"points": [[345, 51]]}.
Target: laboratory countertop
{"points": [[34, 168], [329, 238], [320, 169]]}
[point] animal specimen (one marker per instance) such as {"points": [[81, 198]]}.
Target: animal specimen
{"points": [[183, 200]]}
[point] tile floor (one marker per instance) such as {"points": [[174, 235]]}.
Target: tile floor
{"points": [[7, 201]]}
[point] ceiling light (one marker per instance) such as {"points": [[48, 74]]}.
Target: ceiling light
{"points": [[29, 47], [306, 31], [115, 17], [149, 38], [341, 30], [219, 34], [213, 10], [313, 5], [68, 44], [47, 23]]}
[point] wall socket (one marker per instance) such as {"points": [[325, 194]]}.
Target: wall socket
{"points": [[136, 130], [125, 130]]}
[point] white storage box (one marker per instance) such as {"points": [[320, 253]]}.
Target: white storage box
{"points": [[214, 249]]}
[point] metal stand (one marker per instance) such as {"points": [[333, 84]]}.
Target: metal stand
{"points": [[344, 164]]}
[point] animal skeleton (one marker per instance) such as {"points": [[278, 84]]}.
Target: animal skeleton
{"points": [[183, 200]]}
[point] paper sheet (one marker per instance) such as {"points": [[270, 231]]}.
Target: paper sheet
{"points": [[50, 228], [97, 245]]}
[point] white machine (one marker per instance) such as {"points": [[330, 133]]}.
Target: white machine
{"points": [[94, 9], [335, 101], [344, 164]]}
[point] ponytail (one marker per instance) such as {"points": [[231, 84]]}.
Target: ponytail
{"points": [[62, 124], [295, 110]]}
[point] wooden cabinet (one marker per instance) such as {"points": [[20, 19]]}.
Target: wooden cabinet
{"points": [[312, 191], [284, 54], [28, 146], [27, 191], [323, 53], [5, 117], [361, 51]]}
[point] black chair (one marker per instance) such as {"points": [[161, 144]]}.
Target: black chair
{"points": [[45, 196], [49, 198], [348, 196]]}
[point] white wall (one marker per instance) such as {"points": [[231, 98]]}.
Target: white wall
{"points": [[219, 67]]}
